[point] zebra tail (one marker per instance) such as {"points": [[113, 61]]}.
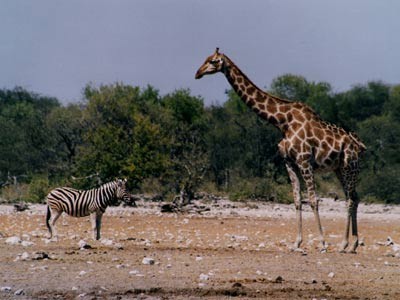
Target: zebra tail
{"points": [[48, 216]]}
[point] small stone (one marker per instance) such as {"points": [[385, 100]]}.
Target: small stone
{"points": [[13, 240], [107, 242], [81, 273], [40, 256], [118, 246], [148, 261], [278, 279], [26, 243], [331, 275], [5, 289], [19, 292], [203, 277], [198, 258], [25, 256], [83, 245]]}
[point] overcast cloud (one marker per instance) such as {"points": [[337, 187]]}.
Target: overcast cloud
{"points": [[56, 47]]}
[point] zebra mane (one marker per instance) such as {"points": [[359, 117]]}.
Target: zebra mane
{"points": [[112, 184]]}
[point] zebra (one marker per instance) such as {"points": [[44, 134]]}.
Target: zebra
{"points": [[82, 203]]}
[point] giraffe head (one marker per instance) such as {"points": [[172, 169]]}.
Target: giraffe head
{"points": [[213, 64]]}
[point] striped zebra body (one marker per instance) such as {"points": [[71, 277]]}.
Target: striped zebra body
{"points": [[82, 203]]}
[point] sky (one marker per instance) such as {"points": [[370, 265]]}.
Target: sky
{"points": [[55, 48]]}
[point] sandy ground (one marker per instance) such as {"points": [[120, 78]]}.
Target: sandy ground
{"points": [[236, 250]]}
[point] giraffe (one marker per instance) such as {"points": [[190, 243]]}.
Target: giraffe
{"points": [[309, 144]]}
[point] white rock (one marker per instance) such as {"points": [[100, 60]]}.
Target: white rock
{"points": [[5, 289], [134, 272], [331, 275], [118, 246], [198, 258], [204, 277], [81, 273], [83, 245], [13, 240], [24, 256], [19, 292], [27, 243], [107, 242], [74, 288], [239, 238], [148, 261]]}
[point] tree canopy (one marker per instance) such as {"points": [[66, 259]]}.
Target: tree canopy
{"points": [[173, 143]]}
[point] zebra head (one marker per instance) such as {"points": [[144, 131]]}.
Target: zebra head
{"points": [[121, 192]]}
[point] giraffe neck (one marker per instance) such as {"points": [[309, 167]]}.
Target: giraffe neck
{"points": [[265, 105]]}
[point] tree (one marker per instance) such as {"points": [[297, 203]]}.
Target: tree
{"points": [[316, 94], [361, 102], [25, 143], [119, 140], [186, 129]]}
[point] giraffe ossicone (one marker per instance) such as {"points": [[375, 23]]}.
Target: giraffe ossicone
{"points": [[308, 144]]}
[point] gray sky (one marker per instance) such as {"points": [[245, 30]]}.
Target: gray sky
{"points": [[56, 47]]}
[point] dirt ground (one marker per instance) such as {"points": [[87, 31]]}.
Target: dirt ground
{"points": [[239, 250]]}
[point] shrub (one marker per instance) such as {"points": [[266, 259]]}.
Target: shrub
{"points": [[38, 190]]}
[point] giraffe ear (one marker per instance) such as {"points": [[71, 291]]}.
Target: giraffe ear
{"points": [[217, 50]]}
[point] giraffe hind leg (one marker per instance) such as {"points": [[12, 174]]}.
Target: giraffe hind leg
{"points": [[354, 227], [347, 177]]}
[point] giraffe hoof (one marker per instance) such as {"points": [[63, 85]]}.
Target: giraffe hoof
{"points": [[299, 250]]}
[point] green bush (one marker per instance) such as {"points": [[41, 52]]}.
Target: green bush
{"points": [[38, 190], [260, 189]]}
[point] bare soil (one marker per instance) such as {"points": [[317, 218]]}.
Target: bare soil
{"points": [[237, 250]]}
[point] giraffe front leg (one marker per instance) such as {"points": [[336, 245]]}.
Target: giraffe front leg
{"points": [[294, 179], [308, 177], [345, 241]]}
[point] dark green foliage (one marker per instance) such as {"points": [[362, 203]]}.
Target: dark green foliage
{"points": [[173, 144]]}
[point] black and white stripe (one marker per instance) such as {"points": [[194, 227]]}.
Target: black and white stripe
{"points": [[82, 203]]}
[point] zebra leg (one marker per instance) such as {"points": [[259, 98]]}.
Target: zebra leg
{"points": [[95, 218], [98, 224], [55, 214]]}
